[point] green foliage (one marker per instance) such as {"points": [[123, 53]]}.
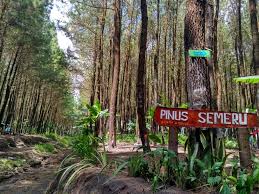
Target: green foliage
{"points": [[165, 165], [151, 113], [248, 80], [131, 126], [85, 145], [160, 166], [214, 180], [182, 139], [88, 115], [158, 137], [206, 163], [69, 173], [45, 148], [43, 66], [51, 136], [64, 141], [240, 181], [71, 168], [155, 138], [129, 138], [225, 189], [184, 105], [231, 144], [155, 183], [10, 164], [137, 166]]}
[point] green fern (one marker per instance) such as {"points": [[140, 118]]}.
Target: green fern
{"points": [[214, 180]]}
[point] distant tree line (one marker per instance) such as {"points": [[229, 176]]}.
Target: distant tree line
{"points": [[34, 79]]}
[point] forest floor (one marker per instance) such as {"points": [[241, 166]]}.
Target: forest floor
{"points": [[34, 176], [124, 150], [92, 181], [40, 170]]}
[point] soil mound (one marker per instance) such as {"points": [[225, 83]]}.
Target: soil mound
{"points": [[7, 141], [33, 139], [3, 144], [91, 181]]}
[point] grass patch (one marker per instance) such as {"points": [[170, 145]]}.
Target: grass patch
{"points": [[128, 138], [45, 148], [51, 136], [8, 164], [64, 141]]}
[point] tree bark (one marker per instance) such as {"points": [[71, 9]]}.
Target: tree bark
{"points": [[173, 139], [116, 73], [255, 39], [156, 56], [198, 80], [140, 85], [243, 134]]}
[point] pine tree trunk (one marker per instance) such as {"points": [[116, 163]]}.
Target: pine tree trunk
{"points": [[198, 80], [243, 134], [255, 39], [116, 73], [140, 86]]}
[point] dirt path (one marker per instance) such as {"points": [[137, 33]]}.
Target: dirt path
{"points": [[35, 180]]}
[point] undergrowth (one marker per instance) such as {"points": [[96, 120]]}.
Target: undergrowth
{"points": [[64, 141], [163, 169], [231, 144], [128, 138], [9, 164], [45, 148]]}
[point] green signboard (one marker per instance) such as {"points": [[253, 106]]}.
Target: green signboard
{"points": [[199, 53]]}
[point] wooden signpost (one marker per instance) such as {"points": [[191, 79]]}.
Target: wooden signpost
{"points": [[178, 117]]}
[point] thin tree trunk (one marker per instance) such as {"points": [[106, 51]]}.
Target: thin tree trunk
{"points": [[92, 97], [140, 86], [156, 57], [116, 73], [243, 134]]}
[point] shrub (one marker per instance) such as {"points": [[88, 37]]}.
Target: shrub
{"points": [[240, 181], [137, 166], [231, 144], [158, 166], [85, 146], [71, 168], [52, 136], [182, 139], [64, 141]]}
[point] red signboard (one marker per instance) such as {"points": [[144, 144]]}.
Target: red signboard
{"points": [[179, 117]]}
